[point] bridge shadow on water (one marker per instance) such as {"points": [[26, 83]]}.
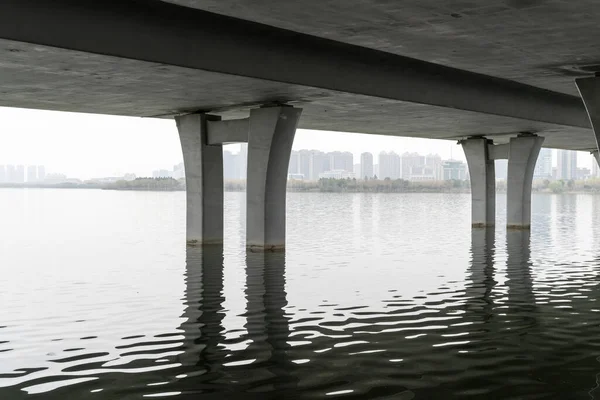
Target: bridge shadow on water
{"points": [[497, 335]]}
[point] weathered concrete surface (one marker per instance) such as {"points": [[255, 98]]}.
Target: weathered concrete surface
{"points": [[204, 181], [483, 182], [160, 59], [589, 89], [538, 42], [270, 138], [522, 156]]}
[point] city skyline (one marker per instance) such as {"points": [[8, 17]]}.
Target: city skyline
{"points": [[79, 145]]}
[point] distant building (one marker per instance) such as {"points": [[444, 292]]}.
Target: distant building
{"points": [[32, 174], [11, 174], [501, 168], [242, 162], [310, 163], [20, 174], [341, 161], [454, 170], [416, 167], [178, 171], [366, 166], [389, 165], [229, 165], [543, 166], [162, 173], [3, 178], [56, 178], [583, 173], [41, 173], [337, 174], [566, 165], [357, 171]]}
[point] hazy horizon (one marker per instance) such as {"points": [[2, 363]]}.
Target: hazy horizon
{"points": [[88, 146]]}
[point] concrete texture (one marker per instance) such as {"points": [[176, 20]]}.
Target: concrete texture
{"points": [[483, 182], [545, 43], [204, 180], [522, 156], [270, 138], [160, 59], [589, 89]]}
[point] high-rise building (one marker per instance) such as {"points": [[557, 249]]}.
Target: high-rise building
{"points": [[415, 167], [242, 162], [501, 169], [41, 173], [229, 165], [162, 173], [32, 174], [2, 174], [341, 161], [543, 166], [389, 165], [366, 165], [566, 165], [454, 170], [20, 174], [11, 174]]}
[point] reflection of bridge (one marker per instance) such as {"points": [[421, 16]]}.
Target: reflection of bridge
{"points": [[238, 71], [479, 336]]}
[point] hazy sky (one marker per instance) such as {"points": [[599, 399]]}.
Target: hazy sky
{"points": [[89, 145]]}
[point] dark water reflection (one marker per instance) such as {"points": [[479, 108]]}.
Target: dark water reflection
{"points": [[520, 324]]}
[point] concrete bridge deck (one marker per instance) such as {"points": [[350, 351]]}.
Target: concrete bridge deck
{"points": [[491, 70]]}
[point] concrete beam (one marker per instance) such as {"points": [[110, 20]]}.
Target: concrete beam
{"points": [[228, 131], [498, 151], [204, 180], [483, 181], [270, 139], [522, 157], [164, 33]]}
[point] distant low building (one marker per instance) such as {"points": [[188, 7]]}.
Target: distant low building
{"points": [[337, 174], [162, 173], [454, 170]]}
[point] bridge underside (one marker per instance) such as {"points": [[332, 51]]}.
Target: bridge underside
{"points": [[476, 69], [42, 77]]}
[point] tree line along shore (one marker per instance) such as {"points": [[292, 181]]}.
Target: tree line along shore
{"points": [[325, 185]]}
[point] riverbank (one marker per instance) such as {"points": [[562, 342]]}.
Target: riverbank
{"points": [[323, 186]]}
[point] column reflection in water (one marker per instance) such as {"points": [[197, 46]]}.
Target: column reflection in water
{"points": [[204, 314], [268, 325], [521, 299], [481, 272]]}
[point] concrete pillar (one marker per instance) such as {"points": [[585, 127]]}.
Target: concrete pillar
{"points": [[204, 180], [270, 137], [596, 155], [483, 181], [589, 90], [522, 155]]}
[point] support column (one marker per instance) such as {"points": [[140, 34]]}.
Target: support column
{"points": [[596, 155], [204, 180], [483, 181], [270, 138], [522, 155]]}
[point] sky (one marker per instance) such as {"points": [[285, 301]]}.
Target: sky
{"points": [[91, 146]]}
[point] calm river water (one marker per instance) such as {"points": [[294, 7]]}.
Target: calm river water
{"points": [[379, 296]]}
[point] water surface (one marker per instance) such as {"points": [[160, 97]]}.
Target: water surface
{"points": [[378, 296]]}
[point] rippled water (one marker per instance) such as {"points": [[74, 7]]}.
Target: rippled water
{"points": [[379, 296]]}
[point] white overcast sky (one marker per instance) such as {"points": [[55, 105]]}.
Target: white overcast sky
{"points": [[90, 145]]}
